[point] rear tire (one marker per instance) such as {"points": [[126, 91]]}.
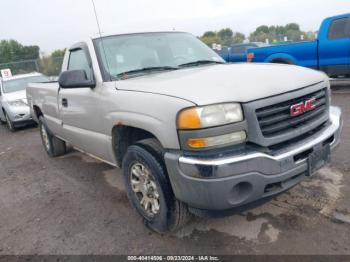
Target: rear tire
{"points": [[163, 213], [53, 146]]}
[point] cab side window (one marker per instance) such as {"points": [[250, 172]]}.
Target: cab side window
{"points": [[79, 61], [237, 49], [339, 29]]}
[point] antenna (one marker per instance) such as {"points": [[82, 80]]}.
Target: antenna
{"points": [[101, 38], [96, 17]]}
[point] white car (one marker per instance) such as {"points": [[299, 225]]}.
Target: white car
{"points": [[13, 102]]}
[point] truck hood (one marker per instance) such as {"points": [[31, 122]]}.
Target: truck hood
{"points": [[19, 95], [225, 83]]}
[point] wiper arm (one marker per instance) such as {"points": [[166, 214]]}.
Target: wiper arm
{"points": [[201, 62], [145, 69]]}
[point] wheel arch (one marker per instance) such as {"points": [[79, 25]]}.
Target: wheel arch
{"points": [[281, 58], [37, 112], [124, 136]]}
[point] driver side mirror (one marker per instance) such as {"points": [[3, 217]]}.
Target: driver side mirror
{"points": [[75, 79]]}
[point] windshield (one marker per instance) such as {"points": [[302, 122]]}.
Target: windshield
{"points": [[19, 84], [157, 51]]}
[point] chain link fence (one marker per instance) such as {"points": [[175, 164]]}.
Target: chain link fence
{"points": [[49, 66]]}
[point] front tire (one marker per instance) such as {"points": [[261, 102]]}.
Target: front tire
{"points": [[149, 190], [2, 122], [53, 146], [9, 123]]}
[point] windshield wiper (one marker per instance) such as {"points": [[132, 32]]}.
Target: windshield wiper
{"points": [[146, 69], [201, 62]]}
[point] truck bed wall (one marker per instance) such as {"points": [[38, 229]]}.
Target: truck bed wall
{"points": [[303, 53], [44, 96]]}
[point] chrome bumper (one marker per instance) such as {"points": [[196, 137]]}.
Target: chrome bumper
{"points": [[259, 158], [227, 182]]}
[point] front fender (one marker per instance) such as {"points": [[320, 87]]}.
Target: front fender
{"points": [[13, 111], [139, 120], [151, 112]]}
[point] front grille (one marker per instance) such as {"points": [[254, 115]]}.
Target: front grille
{"points": [[276, 120], [280, 146]]}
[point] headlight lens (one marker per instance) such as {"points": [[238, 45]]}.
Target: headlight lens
{"points": [[232, 138], [17, 103], [209, 116]]}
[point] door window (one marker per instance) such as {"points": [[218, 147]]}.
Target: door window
{"points": [[241, 49], [79, 61], [339, 29]]}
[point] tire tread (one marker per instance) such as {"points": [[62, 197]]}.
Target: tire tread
{"points": [[179, 213], [58, 146]]}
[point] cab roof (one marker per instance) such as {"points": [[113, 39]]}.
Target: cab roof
{"points": [[97, 36]]}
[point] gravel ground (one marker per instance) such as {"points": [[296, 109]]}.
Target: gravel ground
{"points": [[77, 205]]}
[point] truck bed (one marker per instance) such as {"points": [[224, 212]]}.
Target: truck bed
{"points": [[44, 96], [301, 53]]}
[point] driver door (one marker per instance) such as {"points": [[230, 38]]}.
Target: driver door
{"points": [[81, 109], [334, 48]]}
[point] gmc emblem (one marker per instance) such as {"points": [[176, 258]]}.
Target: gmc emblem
{"points": [[302, 107]]}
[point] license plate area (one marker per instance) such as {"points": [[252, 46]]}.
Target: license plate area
{"points": [[318, 158]]}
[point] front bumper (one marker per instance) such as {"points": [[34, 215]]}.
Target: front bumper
{"points": [[241, 179], [20, 116]]}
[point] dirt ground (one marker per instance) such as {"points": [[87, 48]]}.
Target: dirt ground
{"points": [[77, 205]]}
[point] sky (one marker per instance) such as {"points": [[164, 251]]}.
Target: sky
{"points": [[56, 24]]}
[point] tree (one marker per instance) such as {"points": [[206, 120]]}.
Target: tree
{"points": [[238, 38], [12, 54], [210, 40], [12, 51], [225, 33], [292, 26], [51, 65], [259, 37], [294, 35], [278, 33], [262, 29], [209, 34], [310, 35], [226, 36]]}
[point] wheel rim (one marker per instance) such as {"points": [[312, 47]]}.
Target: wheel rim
{"points": [[45, 137], [144, 186], [9, 123]]}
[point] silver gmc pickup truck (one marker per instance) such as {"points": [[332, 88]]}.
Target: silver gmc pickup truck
{"points": [[192, 133]]}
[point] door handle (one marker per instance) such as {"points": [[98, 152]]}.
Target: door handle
{"points": [[64, 102]]}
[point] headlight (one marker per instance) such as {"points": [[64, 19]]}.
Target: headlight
{"points": [[209, 116], [232, 138], [17, 103]]}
